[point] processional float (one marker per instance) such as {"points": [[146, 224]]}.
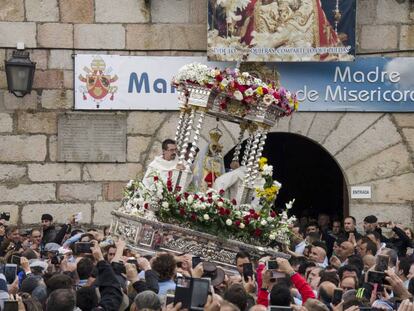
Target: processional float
{"points": [[167, 216]]}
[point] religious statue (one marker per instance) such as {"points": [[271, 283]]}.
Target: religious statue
{"points": [[212, 164]]}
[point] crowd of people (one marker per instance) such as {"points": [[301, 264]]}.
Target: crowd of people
{"points": [[332, 266]]}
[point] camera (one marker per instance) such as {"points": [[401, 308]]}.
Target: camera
{"points": [[5, 216]]}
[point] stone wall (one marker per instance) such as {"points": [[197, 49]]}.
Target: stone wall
{"points": [[372, 148]]}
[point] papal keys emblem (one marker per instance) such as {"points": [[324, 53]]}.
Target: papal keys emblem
{"points": [[98, 81]]}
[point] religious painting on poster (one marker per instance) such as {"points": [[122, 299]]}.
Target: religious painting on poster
{"points": [[281, 30]]}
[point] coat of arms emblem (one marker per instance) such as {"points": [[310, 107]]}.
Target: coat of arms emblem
{"points": [[98, 81]]}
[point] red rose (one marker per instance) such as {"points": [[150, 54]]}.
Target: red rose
{"points": [[246, 221], [186, 194], [222, 211], [146, 205], [234, 202], [182, 211], [221, 192], [256, 216], [273, 214], [257, 232], [252, 211], [223, 105], [169, 183], [219, 78], [178, 198], [155, 178], [169, 188], [210, 194], [202, 199], [237, 223], [246, 217], [196, 197], [177, 188], [210, 200], [276, 95], [227, 211], [265, 91], [193, 216]]}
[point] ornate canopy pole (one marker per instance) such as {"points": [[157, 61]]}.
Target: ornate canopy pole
{"points": [[196, 137], [243, 127]]}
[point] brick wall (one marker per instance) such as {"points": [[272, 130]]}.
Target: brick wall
{"points": [[32, 182]]}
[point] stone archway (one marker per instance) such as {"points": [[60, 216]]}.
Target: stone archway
{"points": [[374, 149], [308, 174]]}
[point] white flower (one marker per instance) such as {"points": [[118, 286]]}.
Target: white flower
{"points": [[272, 236], [248, 92], [206, 217], [269, 219], [215, 197], [165, 204], [288, 95], [229, 222], [277, 184], [268, 99], [267, 170], [190, 199], [220, 204], [238, 95], [245, 74], [224, 82], [242, 226], [129, 185], [263, 222], [290, 204]]}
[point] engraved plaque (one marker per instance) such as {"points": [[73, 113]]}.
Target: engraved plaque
{"points": [[92, 137]]}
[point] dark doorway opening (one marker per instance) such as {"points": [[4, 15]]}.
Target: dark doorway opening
{"points": [[308, 173]]}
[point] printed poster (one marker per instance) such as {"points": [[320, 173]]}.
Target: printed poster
{"points": [[281, 30]]}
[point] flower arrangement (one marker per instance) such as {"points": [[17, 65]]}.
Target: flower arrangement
{"points": [[241, 86], [211, 212]]}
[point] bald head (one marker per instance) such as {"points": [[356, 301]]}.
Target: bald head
{"points": [[369, 261], [317, 254], [345, 250], [258, 308], [326, 290]]}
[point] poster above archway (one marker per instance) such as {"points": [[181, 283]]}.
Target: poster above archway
{"points": [[281, 30]]}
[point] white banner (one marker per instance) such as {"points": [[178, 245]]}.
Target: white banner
{"points": [[113, 82]]}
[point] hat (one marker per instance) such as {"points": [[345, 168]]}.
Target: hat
{"points": [[213, 272], [371, 219], [52, 247], [64, 251], [47, 217], [33, 263]]}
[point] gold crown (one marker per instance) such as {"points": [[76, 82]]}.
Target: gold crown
{"points": [[215, 134]]}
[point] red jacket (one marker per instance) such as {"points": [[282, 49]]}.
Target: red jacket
{"points": [[298, 281]]}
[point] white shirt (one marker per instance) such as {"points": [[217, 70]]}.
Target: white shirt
{"points": [[160, 166]]}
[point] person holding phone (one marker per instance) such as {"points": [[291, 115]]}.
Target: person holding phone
{"points": [[297, 280]]}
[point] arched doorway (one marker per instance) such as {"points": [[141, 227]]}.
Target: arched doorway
{"points": [[308, 173]]}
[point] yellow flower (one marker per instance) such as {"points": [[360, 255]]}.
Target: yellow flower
{"points": [[262, 162], [259, 90]]}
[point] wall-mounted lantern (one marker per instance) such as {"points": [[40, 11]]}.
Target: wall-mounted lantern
{"points": [[20, 73]]}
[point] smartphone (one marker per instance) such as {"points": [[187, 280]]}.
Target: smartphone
{"points": [[199, 293], [271, 265], [196, 260], [78, 217], [133, 261], [10, 272], [279, 308], [183, 292], [247, 271], [11, 305], [83, 247], [16, 260], [382, 263], [337, 296], [169, 299], [376, 277]]}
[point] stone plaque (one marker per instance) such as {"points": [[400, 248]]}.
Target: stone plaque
{"points": [[92, 137]]}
